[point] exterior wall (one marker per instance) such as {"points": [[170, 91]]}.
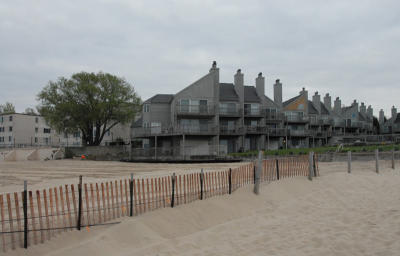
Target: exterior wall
{"points": [[159, 112]]}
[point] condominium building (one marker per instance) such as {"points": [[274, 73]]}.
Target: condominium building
{"points": [[391, 125], [23, 130], [213, 118]]}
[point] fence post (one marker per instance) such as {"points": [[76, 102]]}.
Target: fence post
{"points": [[25, 205], [131, 194], [349, 161], [254, 175], [377, 160], [78, 225], [230, 181], [257, 172], [310, 165], [314, 166], [173, 190], [201, 184], [277, 168], [393, 158]]}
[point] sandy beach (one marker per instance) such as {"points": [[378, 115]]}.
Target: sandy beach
{"points": [[335, 214]]}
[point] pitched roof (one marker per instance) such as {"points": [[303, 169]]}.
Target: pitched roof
{"points": [[311, 109], [324, 110], [250, 94], [396, 121], [285, 103], [361, 117], [227, 92], [160, 98]]}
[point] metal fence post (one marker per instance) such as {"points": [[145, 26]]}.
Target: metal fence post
{"points": [[25, 205], [377, 160], [277, 168], [131, 194], [78, 225], [230, 181], [310, 165], [349, 161], [393, 159], [201, 184], [173, 190]]}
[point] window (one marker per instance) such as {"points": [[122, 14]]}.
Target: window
{"points": [[10, 129], [227, 108], [9, 138], [184, 105], [146, 124], [36, 119], [1, 119], [146, 108], [36, 139], [77, 134], [36, 130], [252, 109], [10, 118], [65, 135], [46, 130]]}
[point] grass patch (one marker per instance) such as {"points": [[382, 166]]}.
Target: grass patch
{"points": [[318, 150]]}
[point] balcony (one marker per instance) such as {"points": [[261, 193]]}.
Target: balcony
{"points": [[274, 117], [253, 112], [276, 132], [230, 112], [354, 124], [338, 123], [297, 119], [195, 110], [230, 130], [255, 129], [298, 133], [316, 121], [179, 130]]}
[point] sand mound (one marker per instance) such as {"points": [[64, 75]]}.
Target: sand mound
{"points": [[336, 214]]}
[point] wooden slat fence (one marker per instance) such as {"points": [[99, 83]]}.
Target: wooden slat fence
{"points": [[55, 210]]}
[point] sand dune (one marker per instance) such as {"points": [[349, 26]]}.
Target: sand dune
{"points": [[336, 214]]}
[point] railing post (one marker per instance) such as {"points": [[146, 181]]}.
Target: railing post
{"points": [[131, 195], [173, 190], [310, 165], [78, 225], [377, 160], [25, 205], [201, 184], [277, 168], [230, 181], [349, 161]]}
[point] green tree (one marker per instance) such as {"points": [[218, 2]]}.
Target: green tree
{"points": [[89, 102], [30, 111], [7, 108]]}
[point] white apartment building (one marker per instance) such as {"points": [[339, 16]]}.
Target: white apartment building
{"points": [[23, 130]]}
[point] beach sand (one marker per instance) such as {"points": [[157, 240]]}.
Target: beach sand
{"points": [[335, 214]]}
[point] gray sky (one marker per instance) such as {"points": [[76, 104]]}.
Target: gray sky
{"points": [[347, 48]]}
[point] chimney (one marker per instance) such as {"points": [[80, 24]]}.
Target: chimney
{"points": [[260, 85], [363, 109], [381, 116], [278, 93], [394, 113], [328, 102], [337, 107], [370, 112], [355, 103], [214, 66], [316, 99], [304, 92], [239, 85]]}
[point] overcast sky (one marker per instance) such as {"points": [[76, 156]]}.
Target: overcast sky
{"points": [[347, 48]]}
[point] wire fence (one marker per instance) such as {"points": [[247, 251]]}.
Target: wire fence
{"points": [[45, 213]]}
